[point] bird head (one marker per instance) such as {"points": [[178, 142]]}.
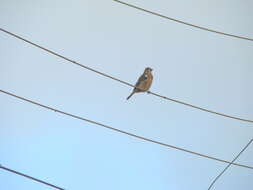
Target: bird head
{"points": [[148, 70]]}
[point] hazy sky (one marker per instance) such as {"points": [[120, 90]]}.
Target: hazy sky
{"points": [[190, 65]]}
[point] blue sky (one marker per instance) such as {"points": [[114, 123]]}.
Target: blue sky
{"points": [[190, 65]]}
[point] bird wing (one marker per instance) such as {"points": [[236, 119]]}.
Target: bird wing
{"points": [[141, 79]]}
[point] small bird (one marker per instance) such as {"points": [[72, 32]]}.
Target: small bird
{"points": [[144, 82]]}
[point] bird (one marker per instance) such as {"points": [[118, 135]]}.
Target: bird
{"points": [[144, 82]]}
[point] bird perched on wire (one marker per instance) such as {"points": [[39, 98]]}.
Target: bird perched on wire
{"points": [[144, 82]]}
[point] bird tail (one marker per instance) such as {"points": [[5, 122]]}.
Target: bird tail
{"points": [[130, 95]]}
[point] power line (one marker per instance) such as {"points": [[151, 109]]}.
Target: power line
{"points": [[29, 177], [123, 82], [121, 131], [229, 164], [182, 22]]}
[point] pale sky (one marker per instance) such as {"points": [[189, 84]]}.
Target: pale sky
{"points": [[190, 65]]}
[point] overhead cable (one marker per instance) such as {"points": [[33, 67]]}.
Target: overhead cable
{"points": [[121, 131], [213, 182], [183, 22], [30, 177], [123, 82]]}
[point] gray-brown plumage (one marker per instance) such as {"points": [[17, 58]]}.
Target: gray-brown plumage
{"points": [[144, 82]]}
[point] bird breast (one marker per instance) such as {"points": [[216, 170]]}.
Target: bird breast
{"points": [[145, 85]]}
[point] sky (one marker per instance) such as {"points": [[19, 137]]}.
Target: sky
{"points": [[190, 65]]}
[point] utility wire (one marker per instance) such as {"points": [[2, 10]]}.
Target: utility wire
{"points": [[123, 82], [229, 164], [121, 131], [29, 177], [182, 22]]}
